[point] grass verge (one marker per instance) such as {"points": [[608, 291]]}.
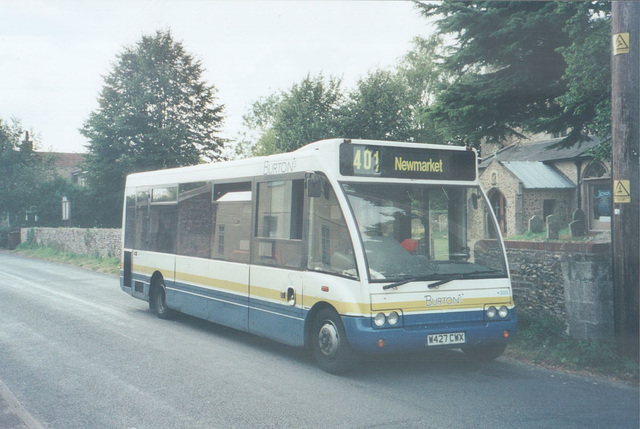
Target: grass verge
{"points": [[98, 263], [542, 341]]}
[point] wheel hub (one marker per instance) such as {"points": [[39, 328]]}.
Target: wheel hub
{"points": [[328, 339]]}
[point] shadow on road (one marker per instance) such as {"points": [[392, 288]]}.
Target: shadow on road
{"points": [[438, 363]]}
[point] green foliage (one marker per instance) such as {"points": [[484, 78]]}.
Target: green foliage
{"points": [[49, 205], [109, 265], [21, 172], [307, 112], [384, 105], [542, 339], [522, 67], [420, 69], [378, 109], [155, 112], [587, 102]]}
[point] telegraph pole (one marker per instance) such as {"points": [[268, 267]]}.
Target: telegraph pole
{"points": [[625, 112]]}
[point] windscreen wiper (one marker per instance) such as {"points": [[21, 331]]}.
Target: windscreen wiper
{"points": [[441, 280]]}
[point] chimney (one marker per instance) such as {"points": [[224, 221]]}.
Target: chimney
{"points": [[27, 145]]}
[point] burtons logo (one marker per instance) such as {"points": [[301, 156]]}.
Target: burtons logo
{"points": [[281, 167], [443, 301]]}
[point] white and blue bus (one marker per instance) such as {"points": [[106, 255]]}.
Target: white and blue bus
{"points": [[344, 246]]}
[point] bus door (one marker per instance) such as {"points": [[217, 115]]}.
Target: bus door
{"points": [[276, 276], [228, 247]]}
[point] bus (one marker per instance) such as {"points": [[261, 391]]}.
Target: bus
{"points": [[346, 247]]}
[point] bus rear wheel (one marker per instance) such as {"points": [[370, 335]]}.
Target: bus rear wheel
{"points": [[329, 341], [158, 300]]}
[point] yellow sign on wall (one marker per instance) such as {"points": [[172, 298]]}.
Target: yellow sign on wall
{"points": [[621, 194]]}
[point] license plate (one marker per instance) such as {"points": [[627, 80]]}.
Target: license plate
{"points": [[444, 339]]}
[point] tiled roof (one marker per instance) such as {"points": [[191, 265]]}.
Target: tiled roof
{"points": [[536, 175], [67, 160], [542, 151]]}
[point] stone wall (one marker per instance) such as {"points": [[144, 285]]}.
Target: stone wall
{"points": [[571, 281], [533, 204], [93, 241]]}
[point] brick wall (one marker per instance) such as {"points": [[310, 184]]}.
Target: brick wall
{"points": [[103, 242]]}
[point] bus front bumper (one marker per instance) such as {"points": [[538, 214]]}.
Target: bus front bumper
{"points": [[427, 333]]}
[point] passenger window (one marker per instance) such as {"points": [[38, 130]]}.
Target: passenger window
{"points": [[163, 219], [330, 249], [130, 221], [142, 220], [231, 222], [279, 223], [195, 219]]}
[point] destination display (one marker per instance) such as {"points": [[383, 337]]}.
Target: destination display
{"points": [[406, 163]]}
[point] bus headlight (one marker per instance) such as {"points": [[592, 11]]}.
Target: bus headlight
{"points": [[393, 318], [380, 320], [491, 313], [503, 312]]}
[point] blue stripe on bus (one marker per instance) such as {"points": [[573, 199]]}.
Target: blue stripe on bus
{"points": [[280, 322]]}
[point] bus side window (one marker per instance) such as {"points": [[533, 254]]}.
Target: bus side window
{"points": [[195, 219], [142, 220], [330, 249], [279, 224], [130, 225], [231, 218], [163, 219]]}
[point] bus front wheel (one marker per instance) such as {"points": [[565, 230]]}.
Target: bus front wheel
{"points": [[329, 340], [158, 299]]}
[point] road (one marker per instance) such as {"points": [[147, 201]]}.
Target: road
{"points": [[76, 352]]}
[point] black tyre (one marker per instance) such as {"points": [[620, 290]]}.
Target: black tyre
{"points": [[329, 341], [158, 300], [489, 352]]}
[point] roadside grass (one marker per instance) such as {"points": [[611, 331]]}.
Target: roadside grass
{"points": [[542, 341], [563, 235], [107, 265]]}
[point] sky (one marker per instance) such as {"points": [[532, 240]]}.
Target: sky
{"points": [[54, 54]]}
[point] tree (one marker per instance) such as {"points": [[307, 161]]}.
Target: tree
{"points": [[516, 64], [588, 74], [307, 112], [420, 69], [155, 111], [21, 171], [378, 109]]}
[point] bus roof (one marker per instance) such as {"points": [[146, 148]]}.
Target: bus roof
{"points": [[324, 155]]}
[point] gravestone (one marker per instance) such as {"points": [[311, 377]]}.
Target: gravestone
{"points": [[536, 224], [578, 226], [553, 227]]}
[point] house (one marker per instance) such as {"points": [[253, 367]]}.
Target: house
{"points": [[527, 179], [67, 165]]}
